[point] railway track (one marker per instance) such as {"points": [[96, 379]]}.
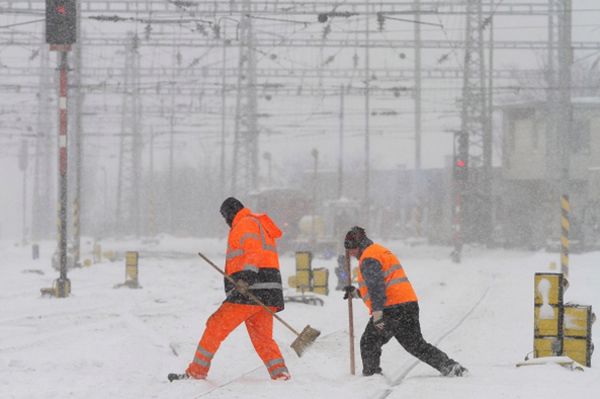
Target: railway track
{"points": [[397, 380]]}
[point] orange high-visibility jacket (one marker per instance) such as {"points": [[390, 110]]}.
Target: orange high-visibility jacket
{"points": [[252, 257], [397, 287]]}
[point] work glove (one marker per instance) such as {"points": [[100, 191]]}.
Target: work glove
{"points": [[242, 287], [378, 320], [350, 291]]}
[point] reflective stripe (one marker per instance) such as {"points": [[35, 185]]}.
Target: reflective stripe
{"points": [[278, 371], [251, 268], [234, 253], [366, 297], [266, 286], [249, 236], [265, 246], [201, 362], [391, 270], [258, 286], [204, 352], [273, 362], [396, 281], [271, 248]]}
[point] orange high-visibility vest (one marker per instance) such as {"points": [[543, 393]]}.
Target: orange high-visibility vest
{"points": [[251, 243], [251, 249], [397, 287]]}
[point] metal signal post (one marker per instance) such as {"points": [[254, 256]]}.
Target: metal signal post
{"points": [[460, 176], [60, 34], [62, 285]]}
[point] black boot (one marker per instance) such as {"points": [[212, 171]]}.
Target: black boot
{"points": [[371, 371], [454, 369]]}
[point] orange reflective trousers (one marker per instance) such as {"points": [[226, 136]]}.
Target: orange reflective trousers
{"points": [[259, 324]]}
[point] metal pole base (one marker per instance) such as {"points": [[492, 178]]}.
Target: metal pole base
{"points": [[60, 289]]}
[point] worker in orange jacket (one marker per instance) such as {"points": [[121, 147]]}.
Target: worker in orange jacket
{"points": [[252, 262], [393, 305]]}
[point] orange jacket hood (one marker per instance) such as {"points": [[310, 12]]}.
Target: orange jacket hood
{"points": [[268, 224]]}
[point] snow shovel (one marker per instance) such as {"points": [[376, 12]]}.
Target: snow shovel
{"points": [[303, 340]]}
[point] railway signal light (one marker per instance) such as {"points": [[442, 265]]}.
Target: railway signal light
{"points": [[460, 169], [61, 22], [461, 156]]}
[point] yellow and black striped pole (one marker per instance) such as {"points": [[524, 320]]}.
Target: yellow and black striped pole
{"points": [[564, 236]]}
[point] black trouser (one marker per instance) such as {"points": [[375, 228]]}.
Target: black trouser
{"points": [[401, 322]]}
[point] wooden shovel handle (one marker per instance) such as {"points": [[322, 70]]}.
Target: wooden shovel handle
{"points": [[249, 294]]}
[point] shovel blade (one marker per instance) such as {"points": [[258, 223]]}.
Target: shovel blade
{"points": [[304, 340]]}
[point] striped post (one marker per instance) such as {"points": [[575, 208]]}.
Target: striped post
{"points": [[62, 284], [564, 236], [62, 164]]}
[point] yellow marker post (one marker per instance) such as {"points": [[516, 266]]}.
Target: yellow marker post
{"points": [[131, 269], [564, 237]]}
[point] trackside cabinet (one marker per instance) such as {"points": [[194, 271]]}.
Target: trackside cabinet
{"points": [[560, 329], [577, 328], [321, 281], [303, 279], [548, 314]]}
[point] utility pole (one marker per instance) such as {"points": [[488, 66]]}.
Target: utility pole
{"points": [[487, 204], [78, 136], [127, 209], [565, 59], [313, 219], [245, 147], [224, 43], [417, 93], [367, 200], [137, 143], [340, 191], [176, 57], [552, 118], [151, 202], [416, 186], [121, 176], [565, 124], [476, 196], [23, 163], [43, 188]]}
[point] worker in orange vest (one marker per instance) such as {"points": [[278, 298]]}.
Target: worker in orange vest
{"points": [[393, 305], [253, 263]]}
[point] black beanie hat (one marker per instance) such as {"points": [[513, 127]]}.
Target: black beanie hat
{"points": [[229, 208], [354, 237]]}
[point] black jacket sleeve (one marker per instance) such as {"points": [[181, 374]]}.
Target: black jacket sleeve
{"points": [[373, 274]]}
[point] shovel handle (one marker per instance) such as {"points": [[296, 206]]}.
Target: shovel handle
{"points": [[249, 294]]}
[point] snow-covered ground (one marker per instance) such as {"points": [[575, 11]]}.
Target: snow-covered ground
{"points": [[103, 342]]}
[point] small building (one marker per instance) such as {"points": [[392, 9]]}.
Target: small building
{"points": [[531, 168]]}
